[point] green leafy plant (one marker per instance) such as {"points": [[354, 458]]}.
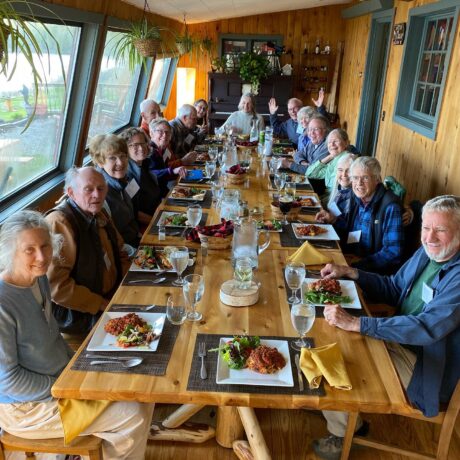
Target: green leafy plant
{"points": [[24, 34], [253, 68], [219, 64], [206, 45]]}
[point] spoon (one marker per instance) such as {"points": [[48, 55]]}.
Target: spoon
{"points": [[129, 363], [157, 281], [110, 358]]}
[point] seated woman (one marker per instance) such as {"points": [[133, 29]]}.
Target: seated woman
{"points": [[110, 154], [241, 121], [149, 195], [303, 117], [33, 352], [202, 123]]}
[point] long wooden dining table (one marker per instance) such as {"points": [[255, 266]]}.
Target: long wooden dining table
{"points": [[376, 387]]}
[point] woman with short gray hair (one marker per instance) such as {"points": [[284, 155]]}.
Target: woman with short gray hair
{"points": [[242, 120]]}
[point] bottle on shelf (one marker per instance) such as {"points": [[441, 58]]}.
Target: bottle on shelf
{"points": [[317, 47]]}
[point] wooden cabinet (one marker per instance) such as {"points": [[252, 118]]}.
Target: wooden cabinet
{"points": [[316, 72], [225, 91]]}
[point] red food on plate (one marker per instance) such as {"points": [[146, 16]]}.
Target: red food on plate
{"points": [[265, 360], [331, 286], [236, 169], [310, 230]]}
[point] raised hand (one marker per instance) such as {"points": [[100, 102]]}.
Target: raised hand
{"points": [[319, 102], [272, 106]]}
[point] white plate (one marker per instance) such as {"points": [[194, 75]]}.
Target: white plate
{"points": [[198, 197], [136, 268], [166, 214], [282, 378], [348, 289], [330, 234], [312, 198], [272, 230], [103, 341]]}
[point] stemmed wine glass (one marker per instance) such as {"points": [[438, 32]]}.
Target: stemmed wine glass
{"points": [[279, 181], [179, 261], [193, 292], [194, 213], [294, 274], [285, 203], [302, 318]]}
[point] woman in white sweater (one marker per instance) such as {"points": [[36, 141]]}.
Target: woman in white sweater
{"points": [[241, 121]]}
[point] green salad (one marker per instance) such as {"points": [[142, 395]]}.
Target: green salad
{"points": [[236, 351], [326, 298]]}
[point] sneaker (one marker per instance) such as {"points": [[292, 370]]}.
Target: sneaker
{"points": [[329, 447]]}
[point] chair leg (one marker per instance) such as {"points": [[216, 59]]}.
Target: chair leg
{"points": [[348, 439]]}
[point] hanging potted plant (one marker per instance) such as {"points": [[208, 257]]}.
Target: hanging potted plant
{"points": [[253, 68], [206, 45], [185, 43], [23, 34]]}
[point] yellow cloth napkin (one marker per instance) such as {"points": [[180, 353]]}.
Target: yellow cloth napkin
{"points": [[325, 362], [79, 414], [309, 255]]}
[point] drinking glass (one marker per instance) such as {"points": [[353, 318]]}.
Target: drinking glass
{"points": [[194, 213], [176, 314], [273, 165], [210, 167], [243, 272], [285, 202], [302, 318], [193, 292], [279, 181], [294, 274], [179, 261], [290, 189], [212, 152]]}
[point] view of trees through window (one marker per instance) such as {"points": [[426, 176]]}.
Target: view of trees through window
{"points": [[25, 156]]}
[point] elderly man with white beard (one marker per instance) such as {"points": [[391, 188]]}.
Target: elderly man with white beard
{"points": [[424, 336]]}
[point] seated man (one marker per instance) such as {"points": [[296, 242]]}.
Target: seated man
{"points": [[150, 110], [92, 261], [426, 295], [184, 136], [316, 149]]}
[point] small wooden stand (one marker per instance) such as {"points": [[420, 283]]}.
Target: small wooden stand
{"points": [[231, 295]]}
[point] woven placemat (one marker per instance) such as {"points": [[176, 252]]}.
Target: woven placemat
{"points": [[154, 363], [289, 240], [145, 278], [173, 231], [205, 204], [195, 383]]}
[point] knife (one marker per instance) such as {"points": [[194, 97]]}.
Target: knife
{"points": [[299, 372]]}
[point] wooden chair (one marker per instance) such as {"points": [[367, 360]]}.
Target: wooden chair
{"points": [[446, 419], [83, 445]]}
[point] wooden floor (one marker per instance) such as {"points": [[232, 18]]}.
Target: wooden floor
{"points": [[289, 434]]}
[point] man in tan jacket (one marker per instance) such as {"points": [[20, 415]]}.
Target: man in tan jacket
{"points": [[92, 261]]}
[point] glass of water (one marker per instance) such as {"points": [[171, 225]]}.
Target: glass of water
{"points": [[176, 314], [302, 318], [179, 261], [210, 167], [194, 213], [290, 189], [279, 181], [294, 274], [193, 292], [212, 152], [243, 272]]}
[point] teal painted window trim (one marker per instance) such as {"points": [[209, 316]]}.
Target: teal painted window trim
{"points": [[413, 89]]}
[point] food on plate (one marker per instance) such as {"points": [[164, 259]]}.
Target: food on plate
{"points": [[310, 230], [177, 219], [325, 292], [282, 150], [187, 192], [307, 202], [236, 169], [246, 143], [149, 258], [242, 137], [270, 225], [203, 157], [225, 228], [235, 352], [265, 360], [131, 331]]}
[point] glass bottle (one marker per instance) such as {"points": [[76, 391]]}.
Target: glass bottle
{"points": [[254, 134]]}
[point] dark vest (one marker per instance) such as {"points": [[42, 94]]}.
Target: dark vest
{"points": [[88, 268]]}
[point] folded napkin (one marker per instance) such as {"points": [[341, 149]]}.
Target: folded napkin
{"points": [[79, 414], [309, 255], [325, 362]]}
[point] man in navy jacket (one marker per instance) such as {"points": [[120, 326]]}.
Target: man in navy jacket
{"points": [[425, 328]]}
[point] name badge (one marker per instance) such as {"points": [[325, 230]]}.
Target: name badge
{"points": [[132, 188], [299, 129], [354, 237], [189, 139], [334, 209], [166, 155], [107, 262], [427, 293]]}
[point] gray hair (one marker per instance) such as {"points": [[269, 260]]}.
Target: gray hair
{"points": [[444, 203], [253, 102], [341, 133], [296, 100], [10, 234], [370, 164], [159, 121], [347, 158], [185, 111], [306, 112], [146, 102], [322, 118], [129, 133], [72, 174]]}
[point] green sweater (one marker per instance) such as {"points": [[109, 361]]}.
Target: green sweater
{"points": [[328, 171]]}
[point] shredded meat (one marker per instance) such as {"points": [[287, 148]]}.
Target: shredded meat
{"points": [[116, 326], [332, 286], [265, 360], [310, 230]]}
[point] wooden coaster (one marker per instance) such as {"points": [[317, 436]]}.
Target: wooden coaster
{"points": [[231, 295]]}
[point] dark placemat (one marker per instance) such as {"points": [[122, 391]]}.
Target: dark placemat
{"points": [[173, 231], [309, 210], [195, 383], [154, 363], [298, 186], [144, 278], [205, 204], [288, 239]]}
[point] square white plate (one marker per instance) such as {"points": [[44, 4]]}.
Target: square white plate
{"points": [[136, 268], [198, 197], [166, 214], [269, 230], [348, 289], [103, 341], [314, 200], [330, 234], [282, 378]]}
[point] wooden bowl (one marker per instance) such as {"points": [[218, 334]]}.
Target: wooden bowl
{"points": [[235, 178], [215, 242]]}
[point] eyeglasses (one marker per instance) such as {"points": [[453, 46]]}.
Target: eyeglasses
{"points": [[315, 130], [136, 145], [161, 132], [364, 179]]}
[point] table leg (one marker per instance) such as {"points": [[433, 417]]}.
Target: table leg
{"points": [[254, 434], [348, 439], [181, 415], [242, 450], [229, 427]]}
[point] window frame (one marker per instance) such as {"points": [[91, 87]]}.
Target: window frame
{"points": [[166, 92], [404, 112]]}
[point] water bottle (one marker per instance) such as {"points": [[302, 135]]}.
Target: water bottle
{"points": [[254, 135]]}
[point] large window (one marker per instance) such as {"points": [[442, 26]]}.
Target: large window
{"points": [[116, 91], [28, 155], [161, 81], [425, 64]]}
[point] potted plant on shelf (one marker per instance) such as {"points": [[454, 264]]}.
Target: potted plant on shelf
{"points": [[219, 65], [253, 68]]}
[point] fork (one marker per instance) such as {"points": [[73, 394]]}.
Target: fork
{"points": [[202, 354]]}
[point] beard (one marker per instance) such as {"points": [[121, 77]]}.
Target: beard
{"points": [[445, 254]]}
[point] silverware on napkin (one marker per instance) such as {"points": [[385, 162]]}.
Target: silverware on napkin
{"points": [[299, 371]]}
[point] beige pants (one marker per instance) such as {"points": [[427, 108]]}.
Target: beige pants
{"points": [[124, 427], [404, 362]]}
